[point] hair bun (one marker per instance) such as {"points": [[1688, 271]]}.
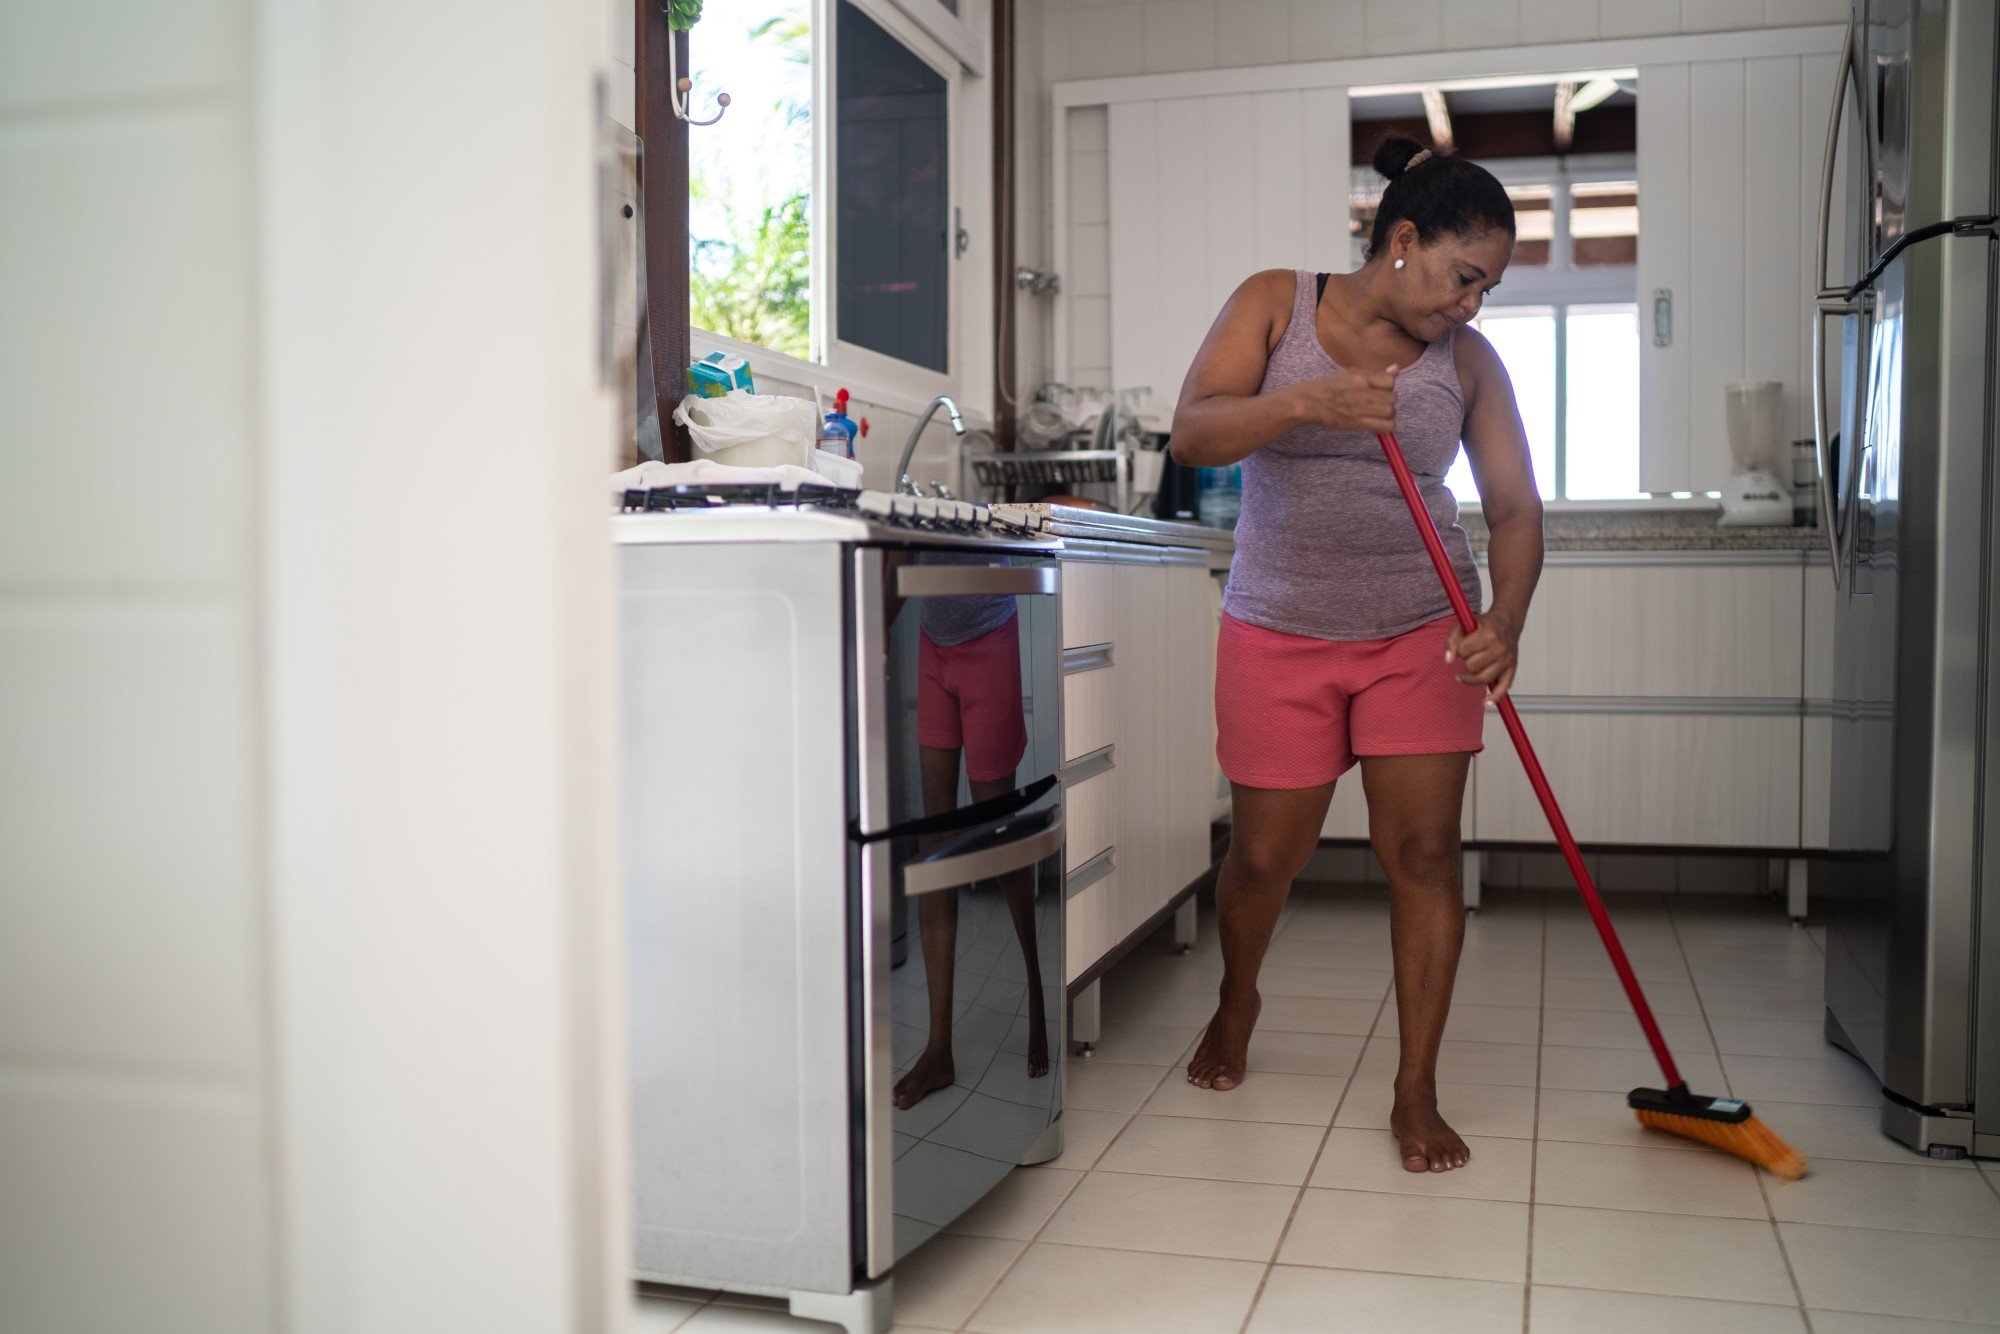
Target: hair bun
{"points": [[1393, 154]]}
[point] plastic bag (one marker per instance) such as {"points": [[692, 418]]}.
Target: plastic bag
{"points": [[751, 430]]}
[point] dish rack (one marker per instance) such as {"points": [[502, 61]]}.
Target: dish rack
{"points": [[1002, 473]]}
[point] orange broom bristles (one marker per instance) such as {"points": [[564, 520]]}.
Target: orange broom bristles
{"points": [[1750, 1139]]}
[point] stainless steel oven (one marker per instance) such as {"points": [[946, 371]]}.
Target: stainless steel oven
{"points": [[957, 836], [841, 719]]}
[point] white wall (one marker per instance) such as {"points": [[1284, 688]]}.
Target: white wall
{"points": [[306, 1021], [1083, 39]]}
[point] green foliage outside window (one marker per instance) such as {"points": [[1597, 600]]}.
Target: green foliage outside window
{"points": [[754, 284]]}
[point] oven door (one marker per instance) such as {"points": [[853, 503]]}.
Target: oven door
{"points": [[958, 836]]}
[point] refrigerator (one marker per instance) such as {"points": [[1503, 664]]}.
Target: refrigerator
{"points": [[1904, 333]]}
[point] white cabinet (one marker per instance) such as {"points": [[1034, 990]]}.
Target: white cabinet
{"points": [[1139, 739], [1667, 779], [1686, 630], [1204, 192], [1663, 693], [1729, 175]]}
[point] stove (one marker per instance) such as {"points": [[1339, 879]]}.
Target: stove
{"points": [[740, 512], [790, 814]]}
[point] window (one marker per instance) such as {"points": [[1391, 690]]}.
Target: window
{"points": [[823, 218], [750, 176], [1565, 321], [894, 197]]}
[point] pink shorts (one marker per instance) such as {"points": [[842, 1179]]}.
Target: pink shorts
{"points": [[969, 695], [1292, 711]]}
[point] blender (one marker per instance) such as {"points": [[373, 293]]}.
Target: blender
{"points": [[1754, 496]]}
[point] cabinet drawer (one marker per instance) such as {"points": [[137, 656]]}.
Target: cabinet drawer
{"points": [[1090, 815], [1090, 711], [1689, 780], [1090, 925], [1665, 630], [1087, 602]]}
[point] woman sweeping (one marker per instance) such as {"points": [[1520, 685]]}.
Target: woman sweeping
{"points": [[1337, 643]]}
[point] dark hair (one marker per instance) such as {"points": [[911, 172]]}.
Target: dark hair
{"points": [[1439, 194]]}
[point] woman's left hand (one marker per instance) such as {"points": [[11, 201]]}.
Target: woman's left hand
{"points": [[1488, 655]]}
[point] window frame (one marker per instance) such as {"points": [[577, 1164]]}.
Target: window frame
{"points": [[832, 362]]}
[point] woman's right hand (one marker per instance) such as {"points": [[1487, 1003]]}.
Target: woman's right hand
{"points": [[1350, 400]]}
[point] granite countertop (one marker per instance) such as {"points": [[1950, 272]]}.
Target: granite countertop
{"points": [[1690, 529], [1693, 529]]}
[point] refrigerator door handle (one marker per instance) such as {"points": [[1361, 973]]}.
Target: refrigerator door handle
{"points": [[1832, 511], [1830, 300], [1845, 81]]}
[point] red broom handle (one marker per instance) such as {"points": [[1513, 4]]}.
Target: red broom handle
{"points": [[1536, 778]]}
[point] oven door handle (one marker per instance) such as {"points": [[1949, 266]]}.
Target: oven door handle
{"points": [[949, 872], [949, 581], [975, 816]]}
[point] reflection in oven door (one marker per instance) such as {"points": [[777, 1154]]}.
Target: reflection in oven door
{"points": [[973, 741]]}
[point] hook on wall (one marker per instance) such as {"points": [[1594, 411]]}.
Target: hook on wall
{"points": [[680, 86]]}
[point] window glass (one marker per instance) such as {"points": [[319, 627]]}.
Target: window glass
{"points": [[1525, 338], [1601, 439], [1604, 223], [750, 175], [892, 194]]}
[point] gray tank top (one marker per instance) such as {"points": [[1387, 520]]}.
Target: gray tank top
{"points": [[1325, 546]]}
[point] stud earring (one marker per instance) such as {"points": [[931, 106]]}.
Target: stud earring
{"points": [[1399, 263]]}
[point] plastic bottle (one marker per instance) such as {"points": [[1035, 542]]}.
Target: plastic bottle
{"points": [[1221, 497], [836, 433]]}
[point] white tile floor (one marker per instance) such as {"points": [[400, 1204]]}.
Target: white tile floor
{"points": [[1280, 1206]]}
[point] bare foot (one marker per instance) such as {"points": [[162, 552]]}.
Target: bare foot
{"points": [[1429, 1145], [1221, 1059], [933, 1071]]}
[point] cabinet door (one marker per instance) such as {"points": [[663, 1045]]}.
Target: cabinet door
{"points": [[1140, 609], [1090, 925], [1187, 711], [1690, 780], [1672, 630], [1729, 166], [1210, 190], [1090, 711]]}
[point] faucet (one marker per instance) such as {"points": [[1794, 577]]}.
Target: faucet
{"points": [[905, 486]]}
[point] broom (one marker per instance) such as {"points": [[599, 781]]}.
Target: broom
{"points": [[1725, 1123]]}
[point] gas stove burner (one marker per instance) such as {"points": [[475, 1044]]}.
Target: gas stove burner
{"points": [[770, 495]]}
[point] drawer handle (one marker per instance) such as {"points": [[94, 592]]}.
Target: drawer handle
{"points": [[1088, 658], [1088, 874], [1089, 766]]}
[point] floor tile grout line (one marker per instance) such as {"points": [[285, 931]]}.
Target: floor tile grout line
{"points": [[1763, 1189], [1535, 1131], [1305, 1182], [1043, 1226]]}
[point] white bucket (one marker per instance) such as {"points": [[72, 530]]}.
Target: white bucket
{"points": [[751, 430]]}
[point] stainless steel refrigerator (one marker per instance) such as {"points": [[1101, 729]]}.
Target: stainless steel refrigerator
{"points": [[1911, 494]]}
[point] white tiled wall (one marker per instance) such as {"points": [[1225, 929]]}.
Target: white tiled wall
{"points": [[937, 455], [1084, 39]]}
